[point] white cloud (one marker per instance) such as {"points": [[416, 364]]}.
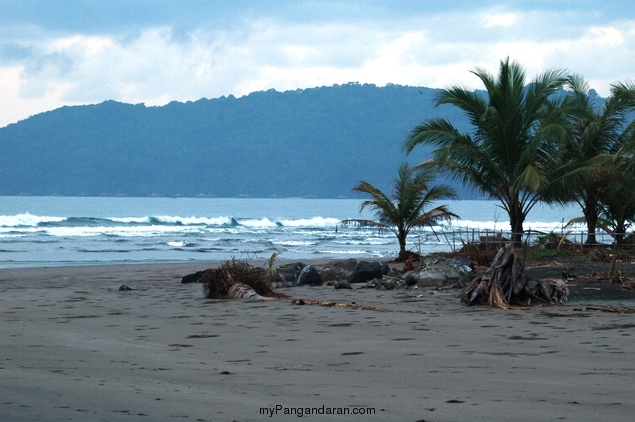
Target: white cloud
{"points": [[498, 19], [154, 65]]}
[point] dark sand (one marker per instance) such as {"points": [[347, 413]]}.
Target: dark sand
{"points": [[75, 348]]}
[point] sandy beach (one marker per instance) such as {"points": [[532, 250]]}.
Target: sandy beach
{"points": [[75, 348]]}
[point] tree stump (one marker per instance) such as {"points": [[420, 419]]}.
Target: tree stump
{"points": [[505, 285]]}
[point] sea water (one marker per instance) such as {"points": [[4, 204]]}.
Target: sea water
{"points": [[51, 231]]}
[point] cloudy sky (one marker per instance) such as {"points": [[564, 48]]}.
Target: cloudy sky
{"points": [[68, 52]]}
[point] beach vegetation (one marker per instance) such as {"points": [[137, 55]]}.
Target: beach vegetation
{"points": [[507, 153], [412, 203], [590, 172]]}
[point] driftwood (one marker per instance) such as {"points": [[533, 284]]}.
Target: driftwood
{"points": [[505, 285]]}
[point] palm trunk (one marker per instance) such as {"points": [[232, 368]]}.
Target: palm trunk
{"points": [[516, 219], [620, 229], [591, 218], [403, 255], [591, 224]]}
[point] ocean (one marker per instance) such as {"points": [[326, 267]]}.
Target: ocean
{"points": [[54, 231]]}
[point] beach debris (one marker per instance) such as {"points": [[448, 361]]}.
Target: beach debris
{"points": [[613, 309], [384, 283], [505, 285], [235, 279], [332, 304], [243, 291]]}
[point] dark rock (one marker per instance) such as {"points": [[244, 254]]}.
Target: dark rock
{"points": [[338, 271], [124, 288], [196, 277], [466, 262], [436, 271], [344, 264], [409, 278], [289, 273], [343, 285], [388, 283], [365, 271], [309, 276]]}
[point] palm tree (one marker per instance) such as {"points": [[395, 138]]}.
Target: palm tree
{"points": [[506, 154], [618, 208], [598, 129], [405, 209]]}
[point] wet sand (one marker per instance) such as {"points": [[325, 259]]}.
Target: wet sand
{"points": [[76, 348]]}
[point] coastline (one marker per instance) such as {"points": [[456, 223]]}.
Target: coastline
{"points": [[77, 348]]}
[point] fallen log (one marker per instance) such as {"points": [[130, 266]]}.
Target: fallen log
{"points": [[505, 285]]}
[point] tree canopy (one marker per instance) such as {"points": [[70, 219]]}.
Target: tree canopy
{"points": [[506, 152]]}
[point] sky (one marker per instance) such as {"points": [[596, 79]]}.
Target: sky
{"points": [[73, 52]]}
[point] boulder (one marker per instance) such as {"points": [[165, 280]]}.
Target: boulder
{"points": [[289, 273], [366, 271], [338, 271], [436, 271], [196, 277], [309, 276], [343, 285]]}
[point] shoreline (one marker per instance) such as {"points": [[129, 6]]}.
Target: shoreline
{"points": [[76, 348]]}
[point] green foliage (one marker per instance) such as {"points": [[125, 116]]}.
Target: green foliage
{"points": [[271, 264], [407, 206], [588, 172], [312, 142], [505, 155]]}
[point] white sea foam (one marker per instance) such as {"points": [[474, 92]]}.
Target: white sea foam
{"points": [[122, 231], [27, 219], [311, 222], [262, 222], [193, 220], [137, 220], [295, 243]]}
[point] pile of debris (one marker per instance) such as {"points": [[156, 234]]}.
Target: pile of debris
{"points": [[505, 285], [234, 279]]}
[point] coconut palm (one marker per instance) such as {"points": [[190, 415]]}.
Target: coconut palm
{"points": [[618, 209], [406, 207], [598, 131], [506, 154]]}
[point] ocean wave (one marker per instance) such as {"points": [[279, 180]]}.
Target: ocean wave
{"points": [[295, 243], [311, 222], [192, 220], [27, 220]]}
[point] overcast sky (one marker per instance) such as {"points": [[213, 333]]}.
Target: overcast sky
{"points": [[68, 52]]}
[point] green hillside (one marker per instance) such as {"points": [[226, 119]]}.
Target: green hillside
{"points": [[314, 142]]}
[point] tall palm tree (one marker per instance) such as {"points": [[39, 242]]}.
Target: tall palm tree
{"points": [[506, 154], [598, 129], [406, 207]]}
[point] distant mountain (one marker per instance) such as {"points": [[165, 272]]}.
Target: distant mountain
{"points": [[316, 142]]}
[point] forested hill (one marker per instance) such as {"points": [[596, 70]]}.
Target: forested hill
{"points": [[316, 142]]}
